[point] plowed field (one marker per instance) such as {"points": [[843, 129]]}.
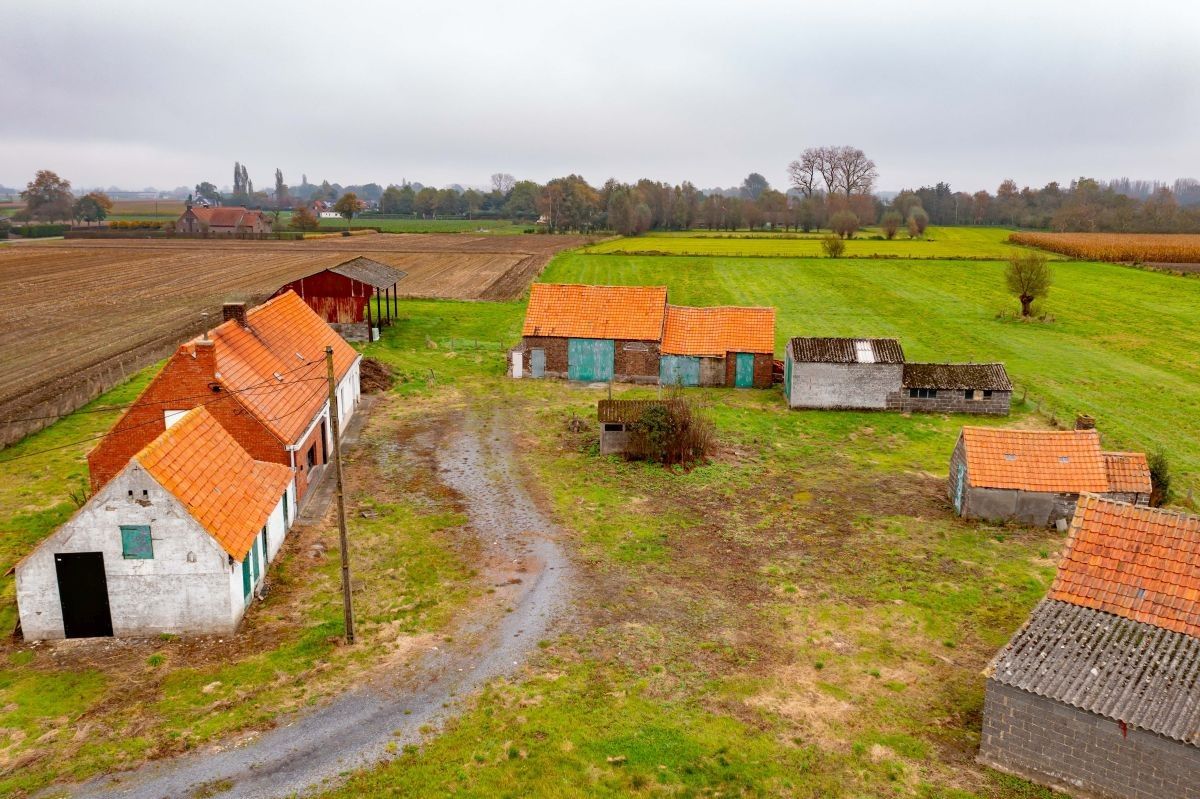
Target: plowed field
{"points": [[77, 316]]}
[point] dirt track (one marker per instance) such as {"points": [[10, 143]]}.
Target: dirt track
{"points": [[522, 558], [79, 316]]}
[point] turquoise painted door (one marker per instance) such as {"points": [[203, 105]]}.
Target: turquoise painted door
{"points": [[590, 359], [679, 370], [537, 362], [787, 377], [246, 581], [744, 376]]}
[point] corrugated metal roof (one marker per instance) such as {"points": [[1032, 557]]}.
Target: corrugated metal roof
{"points": [[1125, 670], [844, 350], [373, 273], [987, 376], [626, 411]]}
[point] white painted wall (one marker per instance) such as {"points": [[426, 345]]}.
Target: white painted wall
{"points": [[167, 593]]}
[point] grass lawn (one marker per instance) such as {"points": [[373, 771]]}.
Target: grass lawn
{"points": [[938, 242], [1122, 344], [801, 617]]}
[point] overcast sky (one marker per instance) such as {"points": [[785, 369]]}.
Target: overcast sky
{"points": [[139, 94]]}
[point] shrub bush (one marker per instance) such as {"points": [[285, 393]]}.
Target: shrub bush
{"points": [[40, 231], [673, 432], [832, 245]]}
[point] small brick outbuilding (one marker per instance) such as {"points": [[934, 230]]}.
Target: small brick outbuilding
{"points": [[1098, 694], [1036, 476]]}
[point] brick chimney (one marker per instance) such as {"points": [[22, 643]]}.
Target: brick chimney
{"points": [[1085, 422], [206, 356], [235, 310]]}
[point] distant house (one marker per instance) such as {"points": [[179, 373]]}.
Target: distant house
{"points": [[342, 294], [176, 542], [872, 374], [718, 346], [630, 334], [228, 221], [261, 374], [842, 373], [1036, 476], [1098, 694]]}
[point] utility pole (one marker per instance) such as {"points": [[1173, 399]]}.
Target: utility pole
{"points": [[347, 604]]}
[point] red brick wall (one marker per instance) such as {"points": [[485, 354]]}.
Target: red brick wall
{"points": [[639, 362], [184, 383], [763, 366]]}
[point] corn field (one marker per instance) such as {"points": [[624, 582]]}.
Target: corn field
{"points": [[1171, 248]]}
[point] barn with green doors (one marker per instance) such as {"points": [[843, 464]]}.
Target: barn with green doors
{"points": [[630, 334]]}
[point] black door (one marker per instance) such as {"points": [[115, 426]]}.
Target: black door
{"points": [[83, 591]]}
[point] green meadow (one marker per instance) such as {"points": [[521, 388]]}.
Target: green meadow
{"points": [[938, 242]]}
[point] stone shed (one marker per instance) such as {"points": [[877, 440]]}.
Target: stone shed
{"points": [[1036, 476], [1098, 694], [979, 388], [718, 346], [177, 542], [842, 373]]}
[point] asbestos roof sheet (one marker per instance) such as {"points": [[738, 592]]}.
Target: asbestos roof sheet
{"points": [[229, 493], [986, 376], [373, 273], [718, 330], [846, 350], [1115, 667], [1137, 562], [1128, 472], [632, 313], [1068, 462], [626, 411], [276, 363]]}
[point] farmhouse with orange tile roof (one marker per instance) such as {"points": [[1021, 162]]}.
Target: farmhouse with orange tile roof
{"points": [[261, 373], [1036, 476], [176, 542], [631, 334], [1099, 692], [226, 221]]}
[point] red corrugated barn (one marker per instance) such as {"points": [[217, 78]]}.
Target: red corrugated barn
{"points": [[341, 295]]}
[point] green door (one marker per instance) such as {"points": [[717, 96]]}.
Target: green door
{"points": [[246, 581], [787, 377], [744, 376], [679, 370], [590, 359]]}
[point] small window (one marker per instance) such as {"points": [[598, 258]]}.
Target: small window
{"points": [[1010, 456], [922, 393], [311, 458], [987, 393], [135, 542], [610, 427], [171, 417], [863, 352], [969, 394], [1063, 459]]}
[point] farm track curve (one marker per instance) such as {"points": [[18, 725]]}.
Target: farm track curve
{"points": [[521, 557]]}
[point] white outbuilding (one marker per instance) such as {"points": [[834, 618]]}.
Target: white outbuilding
{"points": [[177, 542]]}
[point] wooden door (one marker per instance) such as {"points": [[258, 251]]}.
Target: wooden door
{"points": [[83, 593], [744, 372], [590, 359]]}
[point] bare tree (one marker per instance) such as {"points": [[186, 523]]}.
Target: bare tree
{"points": [[503, 182], [890, 223], [854, 173], [1028, 276], [803, 174]]}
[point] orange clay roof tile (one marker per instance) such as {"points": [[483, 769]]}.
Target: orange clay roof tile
{"points": [[632, 313], [1035, 460], [229, 493], [1133, 561], [1128, 472], [277, 363], [716, 331]]}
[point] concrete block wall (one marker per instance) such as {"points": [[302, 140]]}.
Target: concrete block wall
{"points": [[951, 401], [1088, 755]]}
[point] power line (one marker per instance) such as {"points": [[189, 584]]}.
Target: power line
{"points": [[135, 404], [114, 431]]}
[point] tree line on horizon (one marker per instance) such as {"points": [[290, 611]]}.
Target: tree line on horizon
{"points": [[830, 188]]}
